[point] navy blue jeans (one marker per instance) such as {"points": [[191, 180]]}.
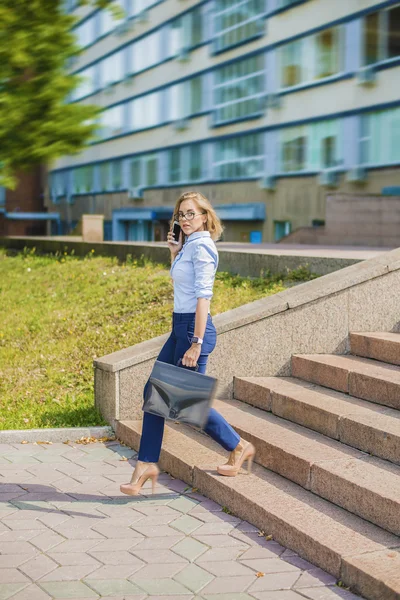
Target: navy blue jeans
{"points": [[174, 348]]}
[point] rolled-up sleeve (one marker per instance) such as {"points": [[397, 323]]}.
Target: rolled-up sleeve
{"points": [[205, 262]]}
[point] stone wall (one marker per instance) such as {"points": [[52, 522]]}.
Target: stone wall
{"points": [[258, 339], [355, 220]]}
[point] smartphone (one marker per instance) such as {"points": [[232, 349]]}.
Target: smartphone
{"points": [[176, 231]]}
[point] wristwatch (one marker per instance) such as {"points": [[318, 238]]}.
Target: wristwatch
{"points": [[197, 340]]}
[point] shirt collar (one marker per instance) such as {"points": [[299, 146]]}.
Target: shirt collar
{"points": [[197, 234]]}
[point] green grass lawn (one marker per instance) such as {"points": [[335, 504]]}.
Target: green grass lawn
{"points": [[59, 312]]}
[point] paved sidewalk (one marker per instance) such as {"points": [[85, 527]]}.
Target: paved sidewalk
{"points": [[66, 531]]}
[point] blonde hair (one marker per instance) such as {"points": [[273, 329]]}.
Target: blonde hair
{"points": [[213, 223]]}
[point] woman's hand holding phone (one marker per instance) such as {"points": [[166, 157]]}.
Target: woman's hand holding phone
{"points": [[174, 245]]}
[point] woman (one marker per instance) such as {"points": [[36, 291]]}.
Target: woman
{"points": [[193, 335]]}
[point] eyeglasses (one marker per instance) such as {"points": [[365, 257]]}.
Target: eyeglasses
{"points": [[189, 216]]}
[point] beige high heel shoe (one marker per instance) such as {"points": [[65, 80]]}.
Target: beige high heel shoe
{"points": [[243, 451], [138, 480]]}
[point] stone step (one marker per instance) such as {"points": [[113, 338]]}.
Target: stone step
{"points": [[369, 427], [328, 536], [378, 345], [366, 486], [360, 377]]}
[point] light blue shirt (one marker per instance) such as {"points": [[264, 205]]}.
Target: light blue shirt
{"points": [[193, 271]]}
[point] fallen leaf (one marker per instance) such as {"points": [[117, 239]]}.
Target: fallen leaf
{"points": [[261, 533], [194, 490], [269, 538], [259, 574], [123, 458], [24, 442], [50, 443]]}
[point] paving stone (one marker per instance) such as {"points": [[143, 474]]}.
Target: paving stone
{"points": [[155, 531], [13, 560], [215, 529], [274, 581], [189, 548], [116, 558], [9, 589], [23, 535], [183, 505], [228, 585], [67, 546], [228, 597], [218, 541], [69, 573], [115, 545], [186, 524], [280, 595], [32, 592], [194, 577], [226, 568], [68, 589], [313, 578], [328, 593], [259, 552], [159, 570], [207, 505], [114, 571], [12, 576], [215, 554], [270, 565], [38, 566], [47, 540], [73, 558], [159, 543], [167, 587], [114, 587], [16, 548], [157, 556], [52, 519], [121, 533], [16, 525], [152, 510]]}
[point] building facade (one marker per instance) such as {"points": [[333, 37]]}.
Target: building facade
{"points": [[262, 105]]}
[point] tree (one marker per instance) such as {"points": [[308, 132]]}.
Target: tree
{"points": [[37, 124]]}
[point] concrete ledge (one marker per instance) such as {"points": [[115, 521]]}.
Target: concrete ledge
{"points": [[62, 434], [260, 338]]}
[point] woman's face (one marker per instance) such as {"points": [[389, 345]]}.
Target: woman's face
{"points": [[195, 224]]}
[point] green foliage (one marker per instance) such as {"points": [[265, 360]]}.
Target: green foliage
{"points": [[59, 312], [37, 124]]}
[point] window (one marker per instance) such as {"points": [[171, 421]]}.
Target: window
{"points": [[58, 185], [311, 147], [135, 178], [240, 157], [185, 98], [116, 175], [382, 35], [238, 89], [151, 168], [195, 162], [112, 69], [185, 32], [86, 33], [235, 22], [281, 228], [311, 58], [112, 121], [175, 165], [185, 164], [145, 111], [145, 53], [82, 180], [87, 84], [294, 149], [380, 135], [105, 176]]}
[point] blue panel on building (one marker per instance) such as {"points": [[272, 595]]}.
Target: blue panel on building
{"points": [[241, 212], [391, 190]]}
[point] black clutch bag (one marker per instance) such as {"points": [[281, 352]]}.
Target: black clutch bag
{"points": [[179, 394]]}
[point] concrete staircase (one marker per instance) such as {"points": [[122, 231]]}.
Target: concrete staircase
{"points": [[327, 478]]}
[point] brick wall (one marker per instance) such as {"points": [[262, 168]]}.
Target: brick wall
{"points": [[27, 197]]}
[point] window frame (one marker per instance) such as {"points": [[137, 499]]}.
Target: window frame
{"points": [[219, 33]]}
